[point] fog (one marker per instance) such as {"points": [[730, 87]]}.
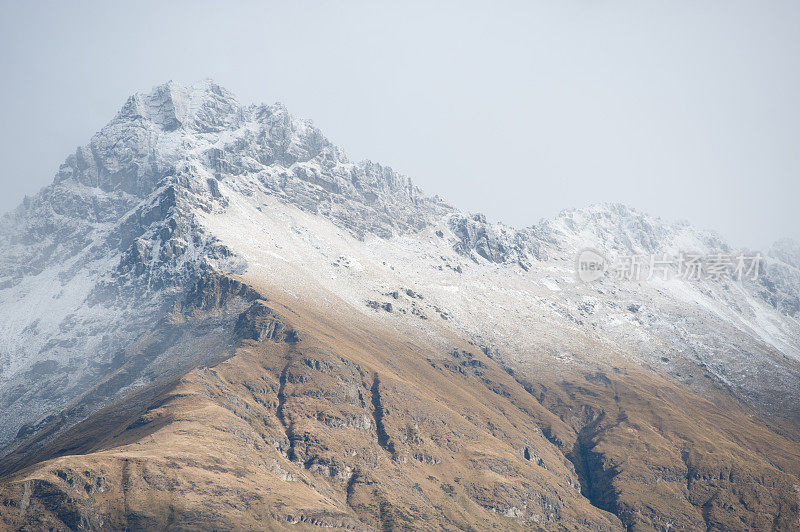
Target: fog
{"points": [[684, 109]]}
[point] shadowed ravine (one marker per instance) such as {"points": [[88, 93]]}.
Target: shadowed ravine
{"points": [[377, 415]]}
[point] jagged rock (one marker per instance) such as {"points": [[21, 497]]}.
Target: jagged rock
{"points": [[260, 323]]}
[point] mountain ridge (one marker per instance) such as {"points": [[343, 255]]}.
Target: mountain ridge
{"points": [[135, 189], [189, 228]]}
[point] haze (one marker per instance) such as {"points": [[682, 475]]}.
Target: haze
{"points": [[684, 109]]}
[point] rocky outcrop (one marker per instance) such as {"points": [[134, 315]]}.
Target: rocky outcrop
{"points": [[493, 242], [259, 323]]}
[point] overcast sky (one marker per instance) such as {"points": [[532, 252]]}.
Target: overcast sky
{"points": [[685, 109]]}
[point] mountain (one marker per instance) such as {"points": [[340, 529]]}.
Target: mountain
{"points": [[212, 319]]}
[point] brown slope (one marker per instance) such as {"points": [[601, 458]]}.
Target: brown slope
{"points": [[334, 425], [335, 421]]}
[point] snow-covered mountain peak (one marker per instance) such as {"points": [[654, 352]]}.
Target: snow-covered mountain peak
{"points": [[196, 137], [187, 187], [617, 228], [202, 106], [159, 243], [786, 250]]}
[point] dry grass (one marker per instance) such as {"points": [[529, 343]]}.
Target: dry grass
{"points": [[344, 423]]}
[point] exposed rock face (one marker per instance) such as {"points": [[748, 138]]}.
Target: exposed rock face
{"points": [[213, 319], [260, 323], [783, 277], [495, 243]]}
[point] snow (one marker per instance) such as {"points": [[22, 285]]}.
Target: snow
{"points": [[552, 284], [301, 219]]}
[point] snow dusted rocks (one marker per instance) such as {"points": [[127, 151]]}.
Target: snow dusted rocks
{"points": [[124, 267]]}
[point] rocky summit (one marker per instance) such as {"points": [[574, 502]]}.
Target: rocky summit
{"points": [[212, 319]]}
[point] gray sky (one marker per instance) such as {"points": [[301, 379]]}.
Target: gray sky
{"points": [[685, 109]]}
